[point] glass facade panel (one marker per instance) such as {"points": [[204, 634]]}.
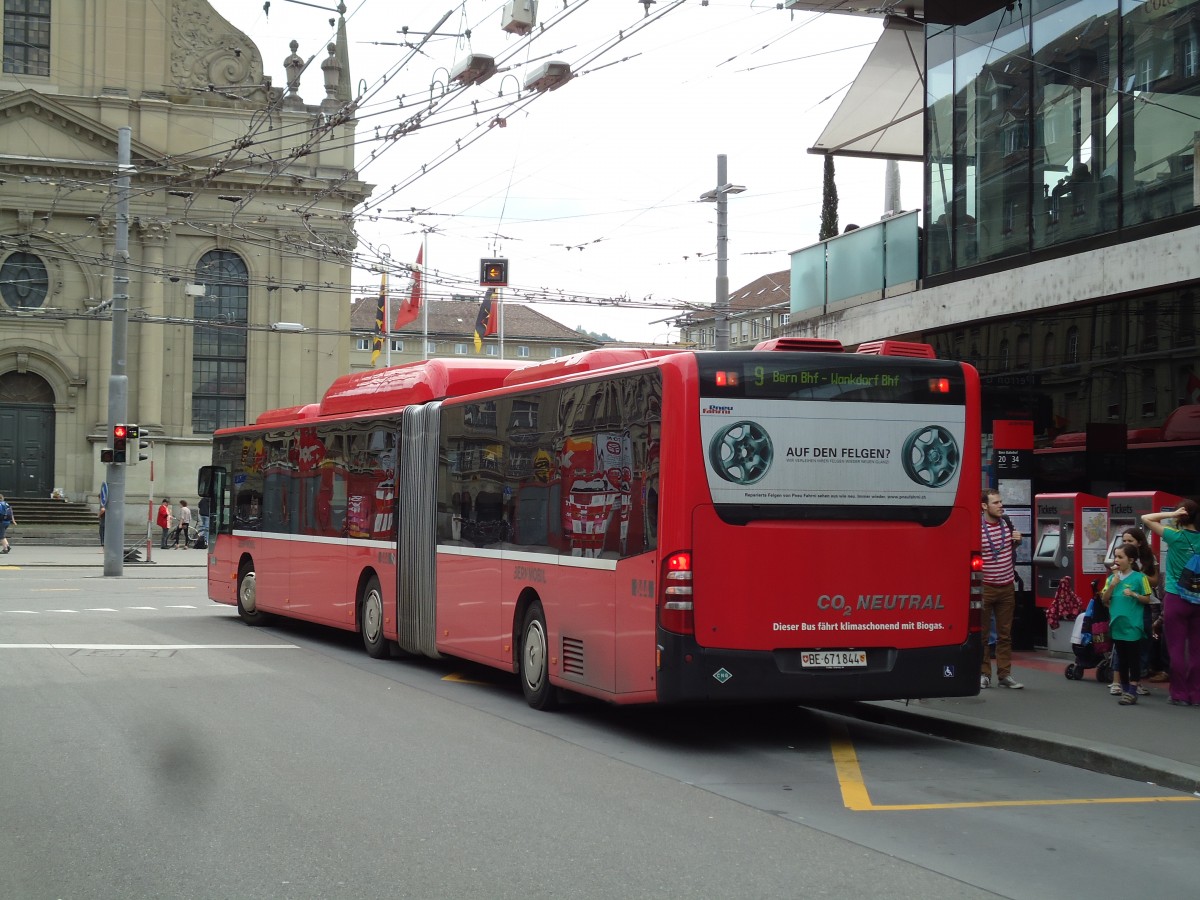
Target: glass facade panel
{"points": [[1076, 151], [1056, 121], [991, 143], [939, 136], [1161, 108]]}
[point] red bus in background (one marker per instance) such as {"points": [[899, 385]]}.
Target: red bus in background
{"points": [[1165, 458], [791, 523]]}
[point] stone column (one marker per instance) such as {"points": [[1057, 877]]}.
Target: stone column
{"points": [[148, 378]]}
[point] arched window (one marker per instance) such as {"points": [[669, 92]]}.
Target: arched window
{"points": [[1023, 351], [24, 281], [1003, 362], [219, 348], [1071, 357]]}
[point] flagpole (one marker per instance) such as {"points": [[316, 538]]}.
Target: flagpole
{"points": [[425, 299]]}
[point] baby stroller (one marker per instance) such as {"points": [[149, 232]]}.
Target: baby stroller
{"points": [[1091, 643]]}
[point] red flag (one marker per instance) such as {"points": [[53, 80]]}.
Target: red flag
{"points": [[1193, 388], [412, 306]]}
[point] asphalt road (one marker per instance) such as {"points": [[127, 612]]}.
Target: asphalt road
{"points": [[152, 745]]}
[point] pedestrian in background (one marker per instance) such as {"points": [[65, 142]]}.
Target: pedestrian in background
{"points": [[7, 519], [163, 520], [1000, 540], [1126, 593], [205, 510], [101, 518], [183, 527], [1181, 619]]}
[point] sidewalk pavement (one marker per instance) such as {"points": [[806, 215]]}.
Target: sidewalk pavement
{"points": [[50, 555], [1077, 723]]}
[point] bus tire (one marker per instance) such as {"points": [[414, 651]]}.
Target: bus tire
{"points": [[534, 660], [370, 620], [247, 597]]}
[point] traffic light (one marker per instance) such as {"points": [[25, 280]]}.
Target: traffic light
{"points": [[106, 455], [133, 436], [493, 272], [120, 436]]}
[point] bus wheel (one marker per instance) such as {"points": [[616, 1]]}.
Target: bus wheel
{"points": [[247, 602], [535, 661], [370, 618]]}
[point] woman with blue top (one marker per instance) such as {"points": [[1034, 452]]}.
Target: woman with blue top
{"points": [[1181, 619], [1125, 593]]}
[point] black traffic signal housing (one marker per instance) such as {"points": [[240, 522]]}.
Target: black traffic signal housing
{"points": [[106, 455], [493, 272], [120, 437], [137, 443]]}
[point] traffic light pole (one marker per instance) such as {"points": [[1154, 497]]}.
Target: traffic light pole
{"points": [[118, 381]]}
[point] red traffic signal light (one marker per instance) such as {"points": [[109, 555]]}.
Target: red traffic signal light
{"points": [[493, 272], [120, 438]]}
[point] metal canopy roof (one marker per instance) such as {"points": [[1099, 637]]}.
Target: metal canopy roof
{"points": [[881, 115]]}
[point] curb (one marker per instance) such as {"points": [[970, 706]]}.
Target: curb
{"points": [[1094, 756]]}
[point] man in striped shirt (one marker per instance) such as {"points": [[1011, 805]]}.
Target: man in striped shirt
{"points": [[999, 596]]}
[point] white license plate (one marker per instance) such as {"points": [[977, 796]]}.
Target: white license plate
{"points": [[832, 659]]}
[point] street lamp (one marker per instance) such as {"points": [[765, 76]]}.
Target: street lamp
{"points": [[719, 194]]}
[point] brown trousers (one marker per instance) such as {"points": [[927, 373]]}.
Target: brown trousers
{"points": [[1001, 600]]}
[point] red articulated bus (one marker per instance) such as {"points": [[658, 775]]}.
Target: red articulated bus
{"points": [[792, 523]]}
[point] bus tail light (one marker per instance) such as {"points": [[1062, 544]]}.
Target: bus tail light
{"points": [[675, 611], [975, 617]]}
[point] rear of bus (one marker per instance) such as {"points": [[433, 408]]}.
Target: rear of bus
{"points": [[820, 528]]}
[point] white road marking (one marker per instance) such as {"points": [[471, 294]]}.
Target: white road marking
{"points": [[141, 607], [149, 647]]}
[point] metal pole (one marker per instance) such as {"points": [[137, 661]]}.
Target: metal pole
{"points": [[150, 508], [722, 298], [118, 381], [424, 295]]}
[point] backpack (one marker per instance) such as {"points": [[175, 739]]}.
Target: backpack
{"points": [[1189, 579], [5, 512]]}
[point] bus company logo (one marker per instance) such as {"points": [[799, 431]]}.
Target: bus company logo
{"points": [[930, 456], [714, 409]]}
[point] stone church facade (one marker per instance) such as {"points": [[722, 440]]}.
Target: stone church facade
{"points": [[238, 232]]}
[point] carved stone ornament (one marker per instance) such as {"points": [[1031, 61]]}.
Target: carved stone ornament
{"points": [[153, 231], [206, 51]]}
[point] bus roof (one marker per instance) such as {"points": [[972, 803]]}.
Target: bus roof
{"points": [[417, 382], [587, 361]]}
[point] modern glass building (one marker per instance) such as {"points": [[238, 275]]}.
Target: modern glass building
{"points": [[1058, 247]]}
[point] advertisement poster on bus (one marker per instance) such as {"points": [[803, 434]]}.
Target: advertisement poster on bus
{"points": [[772, 452]]}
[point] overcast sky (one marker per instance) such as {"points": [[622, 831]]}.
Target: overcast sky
{"points": [[591, 190]]}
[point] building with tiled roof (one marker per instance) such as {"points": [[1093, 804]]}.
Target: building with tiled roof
{"points": [[757, 311], [450, 331]]}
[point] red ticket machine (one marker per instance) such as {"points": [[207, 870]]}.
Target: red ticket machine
{"points": [[1126, 508], [1070, 539]]}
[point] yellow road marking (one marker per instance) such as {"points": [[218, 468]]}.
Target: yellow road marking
{"points": [[856, 797], [463, 679]]}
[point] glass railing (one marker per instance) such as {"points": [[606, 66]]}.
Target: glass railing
{"points": [[869, 263]]}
